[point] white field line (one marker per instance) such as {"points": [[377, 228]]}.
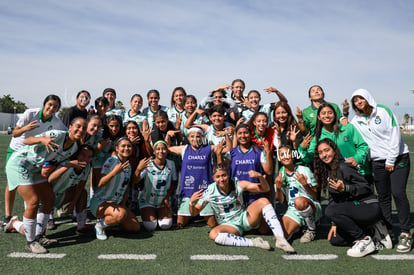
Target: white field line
{"points": [[311, 257], [127, 257], [219, 257], [393, 257], [33, 255]]}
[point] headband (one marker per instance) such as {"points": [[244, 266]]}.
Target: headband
{"points": [[158, 142], [197, 130]]}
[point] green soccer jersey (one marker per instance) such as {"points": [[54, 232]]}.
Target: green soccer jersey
{"points": [[226, 207], [157, 183], [310, 116], [350, 144], [292, 188]]}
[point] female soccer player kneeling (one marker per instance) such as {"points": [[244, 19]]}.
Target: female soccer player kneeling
{"points": [[160, 181], [225, 196], [108, 202], [296, 184]]}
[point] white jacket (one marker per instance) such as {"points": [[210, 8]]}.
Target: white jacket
{"points": [[380, 130]]}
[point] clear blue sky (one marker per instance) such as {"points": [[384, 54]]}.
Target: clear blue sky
{"points": [[65, 46]]}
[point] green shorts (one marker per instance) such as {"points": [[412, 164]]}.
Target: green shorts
{"points": [[10, 151], [241, 224], [20, 175], [184, 209], [293, 213]]}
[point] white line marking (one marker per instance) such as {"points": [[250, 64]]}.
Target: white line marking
{"points": [[219, 257], [127, 257], [393, 257], [314, 257], [33, 255]]}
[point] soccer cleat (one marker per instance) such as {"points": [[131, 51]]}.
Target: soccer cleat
{"points": [[36, 247], [381, 235], [260, 243], [308, 236], [404, 243], [8, 227], [100, 232], [283, 244], [361, 248], [43, 241], [51, 225]]}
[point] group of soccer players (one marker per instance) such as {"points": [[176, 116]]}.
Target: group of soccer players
{"points": [[228, 158]]}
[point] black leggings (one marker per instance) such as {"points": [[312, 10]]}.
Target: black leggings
{"points": [[351, 219], [394, 183]]}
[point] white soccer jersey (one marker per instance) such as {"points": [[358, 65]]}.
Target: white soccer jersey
{"points": [[138, 118], [226, 207], [25, 164], [157, 182], [116, 112], [68, 180], [248, 113], [114, 190], [30, 115], [292, 188]]}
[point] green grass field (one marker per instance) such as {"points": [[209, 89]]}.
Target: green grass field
{"points": [[170, 252]]}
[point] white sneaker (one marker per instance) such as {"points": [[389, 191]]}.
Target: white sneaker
{"points": [[260, 243], [283, 244], [361, 248], [404, 243], [36, 247], [8, 227], [381, 235], [308, 236], [100, 232]]}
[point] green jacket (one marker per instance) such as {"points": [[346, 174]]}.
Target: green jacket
{"points": [[350, 144]]}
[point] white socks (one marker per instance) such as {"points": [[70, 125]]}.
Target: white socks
{"points": [[29, 229], [269, 215], [232, 240], [307, 215], [165, 224], [41, 222]]}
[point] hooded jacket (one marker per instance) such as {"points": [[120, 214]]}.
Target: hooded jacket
{"points": [[380, 130]]}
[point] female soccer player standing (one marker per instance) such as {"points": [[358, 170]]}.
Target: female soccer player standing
{"points": [[33, 122], [390, 159], [24, 173], [196, 174]]}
